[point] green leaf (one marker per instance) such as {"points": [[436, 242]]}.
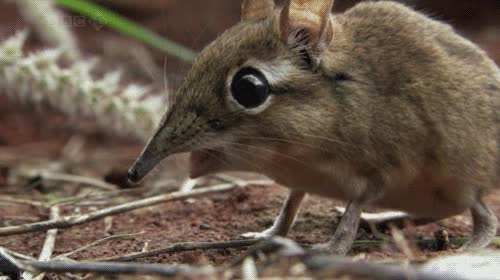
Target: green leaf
{"points": [[123, 25]]}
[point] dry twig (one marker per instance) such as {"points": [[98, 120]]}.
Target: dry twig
{"points": [[48, 245], [94, 196], [121, 268], [50, 240], [327, 266], [96, 183], [249, 269], [69, 221], [319, 266], [12, 200], [96, 243], [401, 242], [18, 255], [184, 246]]}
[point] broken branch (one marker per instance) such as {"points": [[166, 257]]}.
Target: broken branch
{"points": [[119, 268], [48, 245]]}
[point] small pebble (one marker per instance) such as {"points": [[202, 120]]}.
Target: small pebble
{"points": [[204, 226]]}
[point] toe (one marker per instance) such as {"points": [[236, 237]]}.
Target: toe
{"points": [[256, 235]]}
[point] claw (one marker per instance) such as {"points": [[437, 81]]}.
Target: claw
{"points": [[267, 234]]}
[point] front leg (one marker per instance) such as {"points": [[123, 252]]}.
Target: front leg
{"points": [[285, 219], [346, 231]]}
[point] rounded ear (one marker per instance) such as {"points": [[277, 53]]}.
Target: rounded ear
{"points": [[255, 9], [305, 25]]}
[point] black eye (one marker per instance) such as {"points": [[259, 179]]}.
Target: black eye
{"points": [[250, 88], [216, 124]]}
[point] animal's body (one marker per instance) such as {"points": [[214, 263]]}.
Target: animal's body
{"points": [[379, 105]]}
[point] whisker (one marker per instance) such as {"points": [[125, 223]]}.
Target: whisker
{"points": [[270, 151], [297, 141], [276, 166], [220, 159]]}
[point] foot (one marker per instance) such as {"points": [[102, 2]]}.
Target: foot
{"points": [[266, 234], [345, 233], [485, 227], [285, 219]]}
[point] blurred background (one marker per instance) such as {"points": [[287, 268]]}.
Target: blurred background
{"points": [[194, 23]]}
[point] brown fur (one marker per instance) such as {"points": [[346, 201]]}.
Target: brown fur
{"points": [[400, 111]]}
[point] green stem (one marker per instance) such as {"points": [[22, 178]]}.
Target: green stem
{"points": [[123, 25]]}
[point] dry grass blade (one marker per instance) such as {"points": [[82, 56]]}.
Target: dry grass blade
{"points": [[50, 25], [8, 263], [93, 196], [121, 268], [51, 176], [184, 246], [48, 246], [19, 255], [401, 242], [249, 269], [12, 200], [96, 243], [330, 267]]}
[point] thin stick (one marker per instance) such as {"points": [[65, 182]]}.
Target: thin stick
{"points": [[401, 242], [52, 176], [120, 268], [12, 200], [69, 221], [249, 269], [50, 239], [457, 241], [19, 255], [319, 266], [182, 247], [96, 243], [8, 262], [48, 245], [92, 196], [333, 267]]}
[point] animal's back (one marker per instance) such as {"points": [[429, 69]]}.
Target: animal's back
{"points": [[447, 87]]}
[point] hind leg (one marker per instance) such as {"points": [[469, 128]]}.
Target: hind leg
{"points": [[484, 226], [344, 235]]}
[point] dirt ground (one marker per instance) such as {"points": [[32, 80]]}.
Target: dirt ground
{"points": [[28, 133]]}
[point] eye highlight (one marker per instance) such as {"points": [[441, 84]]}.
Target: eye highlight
{"points": [[250, 88]]}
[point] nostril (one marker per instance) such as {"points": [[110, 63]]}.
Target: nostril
{"points": [[133, 175]]}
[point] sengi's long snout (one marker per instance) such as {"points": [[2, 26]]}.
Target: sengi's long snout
{"points": [[155, 151]]}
